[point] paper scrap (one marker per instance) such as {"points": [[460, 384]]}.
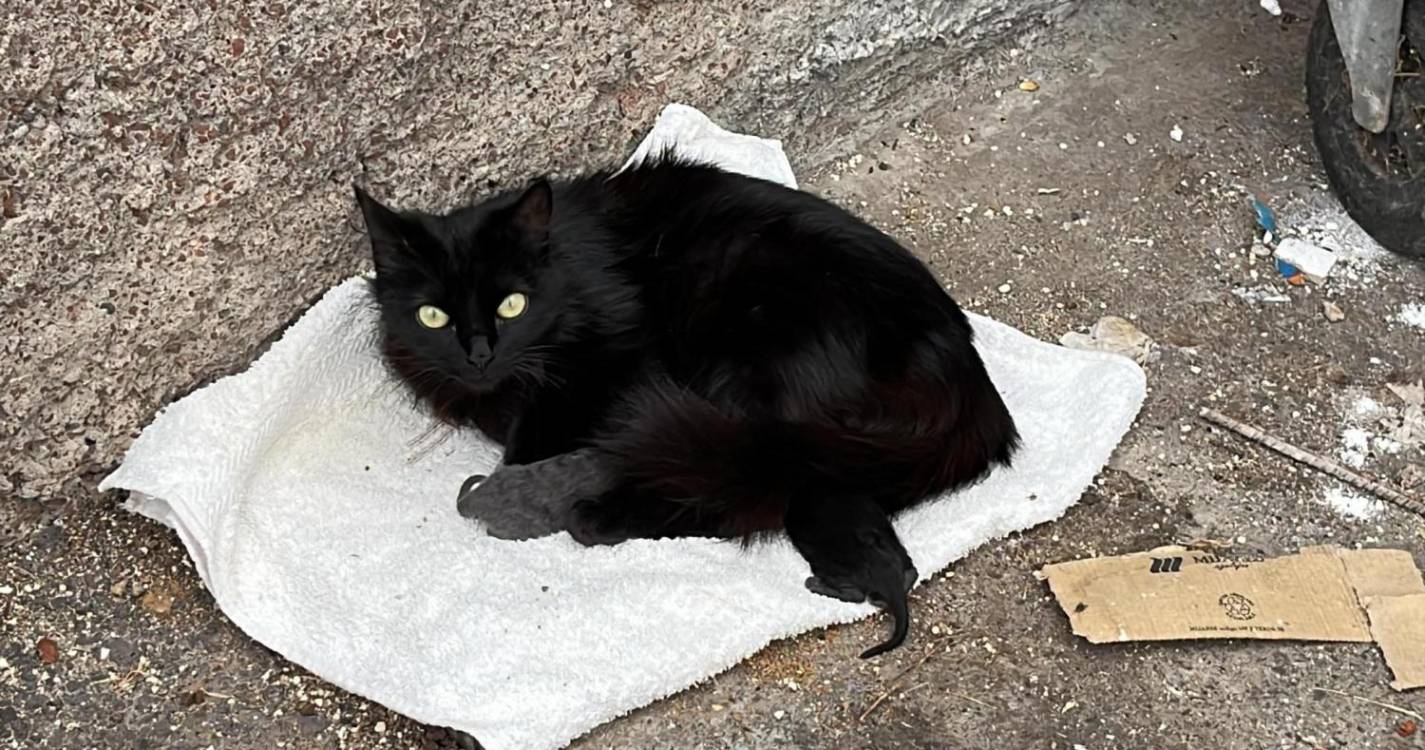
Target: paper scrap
{"points": [[1314, 261], [1320, 594]]}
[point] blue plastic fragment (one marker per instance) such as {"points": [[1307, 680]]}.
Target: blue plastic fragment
{"points": [[1265, 218], [1286, 269]]}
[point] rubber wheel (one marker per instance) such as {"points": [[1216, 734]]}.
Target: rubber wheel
{"points": [[1379, 178]]}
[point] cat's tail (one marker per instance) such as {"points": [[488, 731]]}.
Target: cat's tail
{"points": [[897, 604], [680, 446]]}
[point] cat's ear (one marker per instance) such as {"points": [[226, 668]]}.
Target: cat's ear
{"points": [[533, 209], [388, 230]]}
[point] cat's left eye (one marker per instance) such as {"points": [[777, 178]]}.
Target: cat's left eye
{"points": [[512, 306], [431, 316]]}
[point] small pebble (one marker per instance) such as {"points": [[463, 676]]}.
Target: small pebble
{"points": [[1333, 312], [1005, 288], [779, 713], [1176, 134], [48, 650], [1130, 139]]}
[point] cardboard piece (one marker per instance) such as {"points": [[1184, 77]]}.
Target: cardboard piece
{"points": [[1319, 594]]}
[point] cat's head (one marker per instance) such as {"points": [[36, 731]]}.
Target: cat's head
{"points": [[468, 300]]}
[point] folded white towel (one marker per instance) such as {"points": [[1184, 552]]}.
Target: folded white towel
{"points": [[319, 508]]}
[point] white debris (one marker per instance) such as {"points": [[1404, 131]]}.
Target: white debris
{"points": [[1176, 134], [1322, 221], [1351, 504], [1412, 315], [1387, 445], [1355, 447], [1366, 407], [1260, 295], [1272, 6], [1375, 428], [1314, 261]]}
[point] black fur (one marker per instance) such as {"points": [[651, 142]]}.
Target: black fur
{"points": [[739, 357]]}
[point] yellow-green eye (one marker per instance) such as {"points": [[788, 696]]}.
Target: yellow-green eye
{"points": [[512, 306], [432, 316]]}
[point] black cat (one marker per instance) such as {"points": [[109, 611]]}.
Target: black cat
{"points": [[707, 354]]}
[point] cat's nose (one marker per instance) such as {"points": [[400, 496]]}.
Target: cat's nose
{"points": [[479, 352]]}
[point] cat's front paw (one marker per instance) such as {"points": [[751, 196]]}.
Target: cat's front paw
{"points": [[502, 503]]}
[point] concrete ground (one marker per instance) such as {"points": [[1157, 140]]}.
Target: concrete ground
{"points": [[1043, 209]]}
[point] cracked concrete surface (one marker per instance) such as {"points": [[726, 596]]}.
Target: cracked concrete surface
{"points": [[1045, 210]]}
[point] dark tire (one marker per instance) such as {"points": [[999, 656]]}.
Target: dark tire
{"points": [[1380, 179]]}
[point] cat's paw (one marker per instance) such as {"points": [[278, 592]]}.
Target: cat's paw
{"points": [[856, 591], [843, 591], [501, 503]]}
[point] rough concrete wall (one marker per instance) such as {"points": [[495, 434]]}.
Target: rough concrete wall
{"points": [[175, 177]]}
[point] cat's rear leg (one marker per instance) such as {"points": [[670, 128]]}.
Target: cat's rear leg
{"points": [[855, 556]]}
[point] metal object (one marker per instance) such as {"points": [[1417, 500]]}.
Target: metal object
{"points": [[1369, 34]]}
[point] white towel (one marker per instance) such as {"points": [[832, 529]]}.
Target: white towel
{"points": [[319, 508]]}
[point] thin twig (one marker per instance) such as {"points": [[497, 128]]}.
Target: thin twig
{"points": [[930, 652], [976, 701], [874, 704], [1324, 465], [1363, 699], [911, 689]]}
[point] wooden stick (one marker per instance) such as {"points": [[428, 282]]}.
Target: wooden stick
{"points": [[1324, 465]]}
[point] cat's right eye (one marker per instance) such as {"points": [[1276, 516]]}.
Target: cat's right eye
{"points": [[431, 316]]}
